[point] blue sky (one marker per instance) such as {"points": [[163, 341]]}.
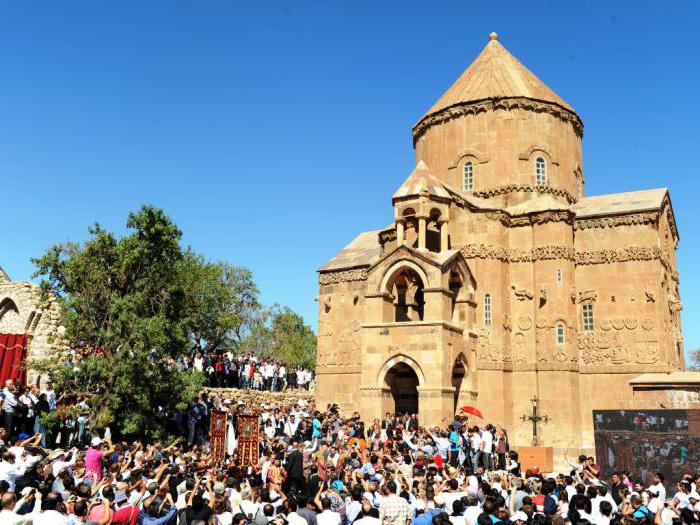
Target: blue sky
{"points": [[273, 132]]}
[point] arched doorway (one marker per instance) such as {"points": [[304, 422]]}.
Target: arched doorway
{"points": [[402, 382]]}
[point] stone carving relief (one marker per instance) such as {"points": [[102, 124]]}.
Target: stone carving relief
{"points": [[487, 350], [648, 323], [522, 294], [587, 297], [551, 252], [683, 398], [650, 296], [519, 356], [525, 188], [524, 323], [543, 295], [506, 322], [343, 276], [612, 222], [632, 253], [349, 342]]}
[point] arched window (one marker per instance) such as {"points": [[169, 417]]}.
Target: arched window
{"points": [[468, 177], [540, 172], [561, 337], [487, 309]]}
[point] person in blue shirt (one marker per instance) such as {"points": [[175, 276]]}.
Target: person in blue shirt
{"points": [[454, 446]]}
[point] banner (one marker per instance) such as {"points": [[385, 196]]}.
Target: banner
{"points": [[248, 439], [13, 352], [218, 435]]}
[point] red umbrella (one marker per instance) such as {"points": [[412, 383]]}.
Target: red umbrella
{"points": [[473, 411]]}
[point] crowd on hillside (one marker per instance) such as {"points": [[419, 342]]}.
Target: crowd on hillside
{"points": [[227, 370], [315, 467]]}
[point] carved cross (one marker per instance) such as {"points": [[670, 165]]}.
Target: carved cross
{"points": [[535, 417]]}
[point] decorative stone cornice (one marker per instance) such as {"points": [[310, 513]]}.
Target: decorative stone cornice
{"points": [[358, 274], [482, 251], [507, 104], [612, 222], [549, 252], [631, 253], [525, 188]]}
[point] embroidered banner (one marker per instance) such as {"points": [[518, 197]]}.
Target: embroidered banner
{"points": [[248, 439], [13, 352], [218, 435]]}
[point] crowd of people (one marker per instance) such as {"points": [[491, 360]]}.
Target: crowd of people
{"points": [[318, 467], [226, 370]]}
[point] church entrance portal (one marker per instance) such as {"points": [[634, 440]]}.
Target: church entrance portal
{"points": [[402, 382]]}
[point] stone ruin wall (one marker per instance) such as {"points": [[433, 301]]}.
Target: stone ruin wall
{"points": [[22, 311]]}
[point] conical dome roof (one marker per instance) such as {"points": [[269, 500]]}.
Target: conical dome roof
{"points": [[495, 73]]}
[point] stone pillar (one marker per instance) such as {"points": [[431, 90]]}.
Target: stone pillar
{"points": [[399, 233], [443, 236], [421, 232]]}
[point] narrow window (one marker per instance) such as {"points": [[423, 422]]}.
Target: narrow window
{"points": [[487, 309], [561, 339], [560, 278], [468, 177], [587, 312], [540, 172]]}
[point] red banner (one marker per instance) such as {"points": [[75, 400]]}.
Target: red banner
{"points": [[13, 352], [218, 435], [248, 439]]}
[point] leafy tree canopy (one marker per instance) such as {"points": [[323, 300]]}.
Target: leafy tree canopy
{"points": [[140, 302]]}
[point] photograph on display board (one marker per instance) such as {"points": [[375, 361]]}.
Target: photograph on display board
{"points": [[643, 442]]}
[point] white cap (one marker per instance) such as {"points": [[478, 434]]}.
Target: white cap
{"points": [[519, 516], [96, 442]]}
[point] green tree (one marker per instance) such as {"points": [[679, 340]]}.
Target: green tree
{"points": [[694, 364], [138, 302], [280, 333]]}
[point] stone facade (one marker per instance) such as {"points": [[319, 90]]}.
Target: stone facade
{"points": [[498, 279], [22, 311]]}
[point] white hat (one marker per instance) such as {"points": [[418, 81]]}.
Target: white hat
{"points": [[96, 442], [519, 516]]}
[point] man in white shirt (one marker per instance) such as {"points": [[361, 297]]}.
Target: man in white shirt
{"points": [[475, 442], [327, 517], [659, 486], [48, 516], [10, 470], [487, 447]]}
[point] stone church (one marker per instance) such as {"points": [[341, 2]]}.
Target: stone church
{"points": [[499, 280]]}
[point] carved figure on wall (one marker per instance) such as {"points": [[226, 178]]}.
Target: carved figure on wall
{"points": [[647, 352], [543, 295], [572, 294], [521, 294], [349, 342], [650, 296], [506, 322], [487, 351], [519, 340], [621, 355], [587, 296]]}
